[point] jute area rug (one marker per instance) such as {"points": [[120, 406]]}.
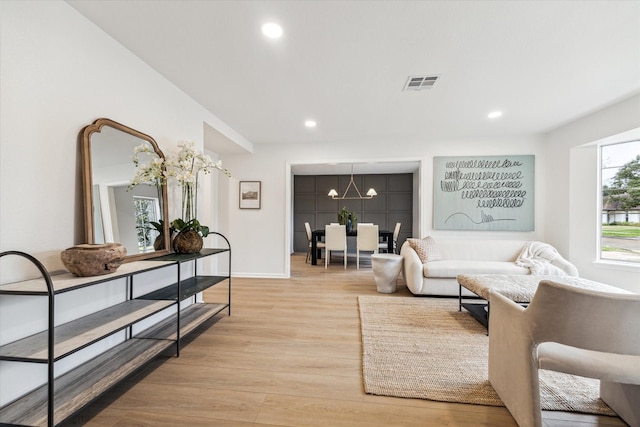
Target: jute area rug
{"points": [[425, 348]]}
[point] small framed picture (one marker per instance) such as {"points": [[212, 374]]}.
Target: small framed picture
{"points": [[250, 194]]}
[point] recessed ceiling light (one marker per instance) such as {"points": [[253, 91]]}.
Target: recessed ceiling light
{"points": [[272, 30], [494, 114], [310, 123]]}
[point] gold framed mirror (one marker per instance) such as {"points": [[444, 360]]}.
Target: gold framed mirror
{"points": [[114, 210]]}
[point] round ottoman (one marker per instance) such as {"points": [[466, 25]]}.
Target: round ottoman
{"points": [[386, 268]]}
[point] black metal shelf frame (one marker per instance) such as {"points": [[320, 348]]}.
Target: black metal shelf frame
{"points": [[195, 284], [50, 327], [177, 292]]}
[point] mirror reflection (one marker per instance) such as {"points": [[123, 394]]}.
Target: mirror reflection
{"points": [[116, 211]]}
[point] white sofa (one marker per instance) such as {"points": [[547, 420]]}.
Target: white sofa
{"points": [[453, 257]]}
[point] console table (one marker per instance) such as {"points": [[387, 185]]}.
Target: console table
{"points": [[59, 398]]}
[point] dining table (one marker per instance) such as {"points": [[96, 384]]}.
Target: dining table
{"points": [[317, 235]]}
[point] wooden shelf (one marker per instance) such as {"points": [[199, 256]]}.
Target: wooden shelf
{"points": [[68, 282], [190, 318], [82, 384], [188, 287], [79, 387], [82, 332]]}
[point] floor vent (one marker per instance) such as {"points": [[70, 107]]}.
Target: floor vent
{"points": [[420, 82]]}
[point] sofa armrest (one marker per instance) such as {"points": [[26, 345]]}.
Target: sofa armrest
{"points": [[412, 270], [565, 266]]}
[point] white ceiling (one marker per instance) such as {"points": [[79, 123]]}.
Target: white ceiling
{"points": [[344, 63]]}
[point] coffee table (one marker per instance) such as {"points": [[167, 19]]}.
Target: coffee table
{"points": [[518, 288]]}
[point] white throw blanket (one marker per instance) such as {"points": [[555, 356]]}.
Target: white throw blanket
{"points": [[537, 257]]}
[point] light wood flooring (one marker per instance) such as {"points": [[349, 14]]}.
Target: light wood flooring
{"points": [[289, 355]]}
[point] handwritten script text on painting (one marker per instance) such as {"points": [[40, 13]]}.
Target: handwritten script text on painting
{"points": [[484, 193]]}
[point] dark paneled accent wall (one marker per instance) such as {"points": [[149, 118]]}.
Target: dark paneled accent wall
{"points": [[394, 203]]}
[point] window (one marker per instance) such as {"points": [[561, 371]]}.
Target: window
{"points": [[146, 210], [620, 180]]}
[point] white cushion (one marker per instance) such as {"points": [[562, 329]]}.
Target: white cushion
{"points": [[426, 249], [451, 268]]}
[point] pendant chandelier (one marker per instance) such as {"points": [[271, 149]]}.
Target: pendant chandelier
{"points": [[334, 194]]}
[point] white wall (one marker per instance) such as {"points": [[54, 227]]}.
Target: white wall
{"points": [[59, 73], [572, 214], [261, 238]]}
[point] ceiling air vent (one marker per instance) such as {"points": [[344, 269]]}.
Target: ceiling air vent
{"points": [[420, 82]]}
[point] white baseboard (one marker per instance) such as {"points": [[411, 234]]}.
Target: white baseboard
{"points": [[260, 275]]}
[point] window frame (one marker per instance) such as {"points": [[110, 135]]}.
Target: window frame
{"points": [[600, 207]]}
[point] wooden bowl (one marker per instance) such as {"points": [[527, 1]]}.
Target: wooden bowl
{"points": [[93, 260]]}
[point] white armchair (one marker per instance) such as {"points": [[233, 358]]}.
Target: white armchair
{"points": [[571, 330]]}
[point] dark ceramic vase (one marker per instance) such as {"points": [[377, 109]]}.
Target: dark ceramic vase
{"points": [[187, 242], [158, 244]]}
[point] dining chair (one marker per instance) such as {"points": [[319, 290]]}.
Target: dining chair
{"points": [[384, 246], [319, 245], [335, 239], [367, 240]]}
